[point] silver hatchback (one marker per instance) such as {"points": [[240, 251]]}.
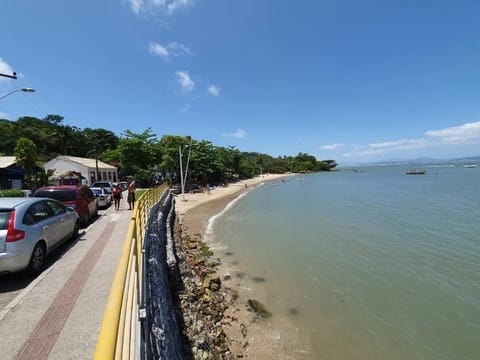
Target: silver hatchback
{"points": [[30, 228]]}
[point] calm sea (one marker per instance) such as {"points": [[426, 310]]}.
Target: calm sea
{"points": [[372, 264]]}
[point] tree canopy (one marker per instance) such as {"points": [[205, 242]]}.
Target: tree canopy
{"points": [[142, 155]]}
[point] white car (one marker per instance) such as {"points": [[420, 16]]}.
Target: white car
{"points": [[104, 196], [103, 184]]}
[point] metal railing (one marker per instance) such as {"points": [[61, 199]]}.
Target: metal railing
{"points": [[119, 336]]}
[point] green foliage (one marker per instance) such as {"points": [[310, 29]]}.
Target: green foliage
{"points": [[26, 155], [141, 155], [11, 193]]}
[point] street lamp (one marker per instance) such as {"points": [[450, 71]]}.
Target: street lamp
{"points": [[182, 179], [25, 89]]}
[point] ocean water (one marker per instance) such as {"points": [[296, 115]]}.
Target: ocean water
{"points": [[368, 265]]}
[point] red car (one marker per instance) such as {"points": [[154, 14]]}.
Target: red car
{"points": [[81, 198]]}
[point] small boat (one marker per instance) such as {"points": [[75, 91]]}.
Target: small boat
{"points": [[415, 172], [470, 166]]}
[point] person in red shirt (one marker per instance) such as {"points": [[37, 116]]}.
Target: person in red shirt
{"points": [[117, 195]]}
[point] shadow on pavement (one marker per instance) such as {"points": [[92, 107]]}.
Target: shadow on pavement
{"points": [[20, 280]]}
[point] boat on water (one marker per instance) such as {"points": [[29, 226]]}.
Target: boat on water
{"points": [[470, 166], [415, 172]]}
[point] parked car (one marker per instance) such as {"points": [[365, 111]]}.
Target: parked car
{"points": [[30, 228], [103, 184], [104, 196], [123, 185], [81, 198]]}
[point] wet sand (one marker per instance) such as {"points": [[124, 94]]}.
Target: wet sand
{"points": [[250, 336]]}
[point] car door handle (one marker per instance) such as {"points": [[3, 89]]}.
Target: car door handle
{"points": [[45, 227]]}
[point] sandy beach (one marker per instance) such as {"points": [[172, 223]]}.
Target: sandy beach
{"points": [[273, 338]]}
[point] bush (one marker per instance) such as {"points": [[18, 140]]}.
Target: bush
{"points": [[11, 193]]}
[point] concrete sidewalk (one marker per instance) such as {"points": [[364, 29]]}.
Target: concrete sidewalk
{"points": [[58, 315]]}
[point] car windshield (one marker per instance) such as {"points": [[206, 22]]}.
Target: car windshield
{"points": [[97, 191], [60, 195], [4, 218]]}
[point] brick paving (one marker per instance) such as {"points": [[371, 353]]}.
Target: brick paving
{"points": [[46, 333]]}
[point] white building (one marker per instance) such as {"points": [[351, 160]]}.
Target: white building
{"points": [[84, 166]]}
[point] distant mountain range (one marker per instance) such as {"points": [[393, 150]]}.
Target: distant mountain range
{"points": [[425, 161]]}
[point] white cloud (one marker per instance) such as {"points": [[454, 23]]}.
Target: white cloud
{"points": [[239, 134], [5, 69], [162, 7], [3, 115], [175, 5], [388, 146], [214, 90], [468, 133], [463, 134], [137, 6], [159, 50], [331, 146], [173, 49], [186, 83]]}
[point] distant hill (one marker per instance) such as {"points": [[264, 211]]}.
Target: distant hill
{"points": [[424, 161]]}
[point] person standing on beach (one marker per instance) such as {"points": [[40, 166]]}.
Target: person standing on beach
{"points": [[117, 195], [131, 195]]}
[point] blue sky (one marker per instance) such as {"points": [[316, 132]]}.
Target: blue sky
{"points": [[356, 81]]}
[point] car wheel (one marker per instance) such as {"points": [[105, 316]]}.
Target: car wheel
{"points": [[75, 231], [37, 260]]}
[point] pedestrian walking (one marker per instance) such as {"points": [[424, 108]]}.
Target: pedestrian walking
{"points": [[117, 195], [131, 195]]}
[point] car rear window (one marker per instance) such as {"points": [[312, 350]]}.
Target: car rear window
{"points": [[4, 218], [60, 195], [101, 184]]}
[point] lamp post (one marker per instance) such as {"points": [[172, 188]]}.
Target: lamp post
{"points": [[183, 179], [25, 89]]}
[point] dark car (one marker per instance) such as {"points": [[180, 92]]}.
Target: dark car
{"points": [[81, 198], [30, 228]]}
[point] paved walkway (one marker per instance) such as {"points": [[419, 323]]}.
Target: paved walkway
{"points": [[58, 315]]}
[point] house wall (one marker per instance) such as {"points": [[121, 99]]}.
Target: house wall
{"points": [[106, 174], [61, 164]]}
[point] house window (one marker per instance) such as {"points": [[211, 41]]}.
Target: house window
{"points": [[92, 177], [110, 176], [115, 177], [104, 177]]}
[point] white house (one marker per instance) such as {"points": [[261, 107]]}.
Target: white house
{"points": [[84, 166]]}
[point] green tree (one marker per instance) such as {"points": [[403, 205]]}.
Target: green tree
{"points": [[140, 154], [98, 141], [26, 156]]}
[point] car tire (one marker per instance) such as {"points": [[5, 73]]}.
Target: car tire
{"points": [[75, 230], [37, 259]]}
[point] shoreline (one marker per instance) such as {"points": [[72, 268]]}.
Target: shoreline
{"points": [[247, 334]]}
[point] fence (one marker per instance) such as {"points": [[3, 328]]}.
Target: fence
{"points": [[120, 335]]}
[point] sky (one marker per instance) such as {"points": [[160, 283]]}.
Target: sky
{"points": [[350, 80]]}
